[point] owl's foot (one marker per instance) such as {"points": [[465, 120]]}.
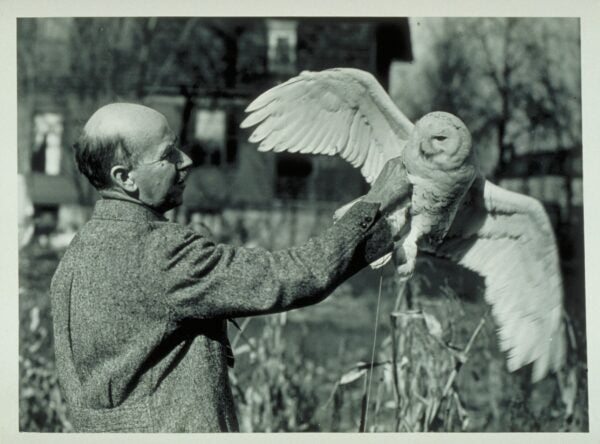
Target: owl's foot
{"points": [[406, 270], [407, 256]]}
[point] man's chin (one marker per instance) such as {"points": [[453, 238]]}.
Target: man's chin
{"points": [[177, 198], [171, 203]]}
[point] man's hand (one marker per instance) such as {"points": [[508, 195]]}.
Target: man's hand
{"points": [[391, 189]]}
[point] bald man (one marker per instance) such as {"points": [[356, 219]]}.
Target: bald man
{"points": [[140, 304]]}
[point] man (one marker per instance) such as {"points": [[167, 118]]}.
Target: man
{"points": [[140, 304]]}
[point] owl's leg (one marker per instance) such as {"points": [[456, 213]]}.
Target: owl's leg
{"points": [[406, 254], [398, 221]]}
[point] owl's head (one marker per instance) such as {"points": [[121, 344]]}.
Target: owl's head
{"points": [[443, 140]]}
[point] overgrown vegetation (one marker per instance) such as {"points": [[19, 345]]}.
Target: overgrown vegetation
{"points": [[41, 407], [307, 370]]}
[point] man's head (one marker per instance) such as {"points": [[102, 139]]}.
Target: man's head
{"points": [[130, 149]]}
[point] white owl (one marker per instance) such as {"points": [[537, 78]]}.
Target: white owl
{"points": [[456, 213]]}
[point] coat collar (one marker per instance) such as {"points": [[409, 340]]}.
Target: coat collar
{"points": [[121, 209]]}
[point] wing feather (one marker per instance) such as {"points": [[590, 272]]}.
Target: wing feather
{"points": [[257, 116], [261, 132], [507, 238], [351, 151], [319, 131], [326, 144], [340, 111], [298, 139], [361, 144], [346, 118]]}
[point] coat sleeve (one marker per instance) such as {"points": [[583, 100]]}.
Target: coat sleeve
{"points": [[204, 280]]}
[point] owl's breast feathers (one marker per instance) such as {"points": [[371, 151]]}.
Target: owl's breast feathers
{"points": [[436, 199]]}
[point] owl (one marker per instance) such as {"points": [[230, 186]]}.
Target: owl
{"points": [[455, 213]]}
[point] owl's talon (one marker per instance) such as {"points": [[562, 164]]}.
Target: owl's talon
{"points": [[406, 270], [407, 255]]}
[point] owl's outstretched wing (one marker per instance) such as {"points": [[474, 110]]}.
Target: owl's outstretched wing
{"points": [[507, 238], [342, 111]]}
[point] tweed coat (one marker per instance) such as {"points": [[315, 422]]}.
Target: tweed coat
{"points": [[140, 307]]}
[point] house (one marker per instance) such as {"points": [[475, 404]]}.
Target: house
{"points": [[281, 49], [68, 67]]}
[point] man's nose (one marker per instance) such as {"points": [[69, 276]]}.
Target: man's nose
{"points": [[184, 162]]}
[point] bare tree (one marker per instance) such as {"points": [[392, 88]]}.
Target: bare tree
{"points": [[514, 81]]}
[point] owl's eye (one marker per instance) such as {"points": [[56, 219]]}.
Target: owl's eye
{"points": [[440, 138]]}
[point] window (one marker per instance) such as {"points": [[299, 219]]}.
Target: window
{"points": [[214, 138], [47, 150], [293, 172], [282, 40]]}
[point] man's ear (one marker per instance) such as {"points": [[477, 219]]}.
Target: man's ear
{"points": [[121, 178]]}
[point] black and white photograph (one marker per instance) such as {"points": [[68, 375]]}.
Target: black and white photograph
{"points": [[365, 223]]}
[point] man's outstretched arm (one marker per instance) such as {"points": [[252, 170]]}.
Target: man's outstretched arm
{"points": [[206, 280]]}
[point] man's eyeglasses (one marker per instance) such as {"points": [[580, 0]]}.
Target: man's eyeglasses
{"points": [[172, 154]]}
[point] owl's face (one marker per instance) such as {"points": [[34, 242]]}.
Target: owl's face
{"points": [[441, 140]]}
